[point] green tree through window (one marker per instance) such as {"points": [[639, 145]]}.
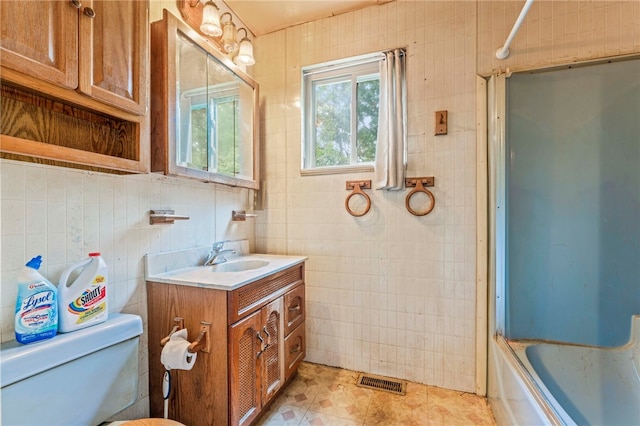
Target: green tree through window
{"points": [[368, 105], [333, 124]]}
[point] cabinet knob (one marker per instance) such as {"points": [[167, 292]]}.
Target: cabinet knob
{"points": [[295, 349], [89, 12], [76, 4]]}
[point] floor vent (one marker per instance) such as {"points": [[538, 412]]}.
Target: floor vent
{"points": [[399, 387]]}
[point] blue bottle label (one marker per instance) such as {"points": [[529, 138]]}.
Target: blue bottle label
{"points": [[38, 310]]}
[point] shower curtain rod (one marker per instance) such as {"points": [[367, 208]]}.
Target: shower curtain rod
{"points": [[503, 52]]}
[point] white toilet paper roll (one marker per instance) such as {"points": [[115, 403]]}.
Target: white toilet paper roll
{"points": [[175, 354]]}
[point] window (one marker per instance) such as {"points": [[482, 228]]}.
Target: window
{"points": [[340, 114]]}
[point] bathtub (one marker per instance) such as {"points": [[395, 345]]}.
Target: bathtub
{"points": [[549, 383]]}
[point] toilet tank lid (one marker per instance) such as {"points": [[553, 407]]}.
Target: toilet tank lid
{"points": [[18, 362]]}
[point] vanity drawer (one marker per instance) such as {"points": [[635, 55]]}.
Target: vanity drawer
{"points": [[293, 309], [250, 297], [294, 350]]}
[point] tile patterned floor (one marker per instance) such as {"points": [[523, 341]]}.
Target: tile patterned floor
{"points": [[322, 395]]}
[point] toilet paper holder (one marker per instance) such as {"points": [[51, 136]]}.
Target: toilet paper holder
{"points": [[200, 344]]}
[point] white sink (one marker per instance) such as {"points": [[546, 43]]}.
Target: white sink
{"points": [[240, 265], [184, 267]]}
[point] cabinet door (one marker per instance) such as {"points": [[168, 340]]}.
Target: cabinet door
{"points": [[294, 309], [40, 39], [114, 46], [245, 378], [294, 350], [272, 357]]}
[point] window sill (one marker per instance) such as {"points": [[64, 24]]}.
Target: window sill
{"points": [[332, 170]]}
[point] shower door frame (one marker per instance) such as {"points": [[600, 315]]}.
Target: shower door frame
{"points": [[482, 261], [490, 262], [496, 166]]}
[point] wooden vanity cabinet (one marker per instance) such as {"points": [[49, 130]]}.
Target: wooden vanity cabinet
{"points": [[75, 82], [253, 356]]}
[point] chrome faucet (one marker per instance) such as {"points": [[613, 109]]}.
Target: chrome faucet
{"points": [[217, 254]]}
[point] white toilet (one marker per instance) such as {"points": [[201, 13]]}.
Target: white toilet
{"points": [[80, 378]]}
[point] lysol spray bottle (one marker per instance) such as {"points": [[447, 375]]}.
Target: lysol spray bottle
{"points": [[83, 302], [36, 316]]}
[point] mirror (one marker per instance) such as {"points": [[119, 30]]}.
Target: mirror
{"points": [[215, 112], [204, 107]]}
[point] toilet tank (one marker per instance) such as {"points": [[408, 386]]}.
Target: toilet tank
{"points": [[79, 378]]}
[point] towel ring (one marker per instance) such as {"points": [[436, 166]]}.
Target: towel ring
{"points": [[357, 190], [419, 188]]}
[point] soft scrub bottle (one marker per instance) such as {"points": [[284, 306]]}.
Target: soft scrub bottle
{"points": [[36, 315]]}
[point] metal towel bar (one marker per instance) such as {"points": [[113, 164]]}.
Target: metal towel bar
{"points": [[165, 216]]}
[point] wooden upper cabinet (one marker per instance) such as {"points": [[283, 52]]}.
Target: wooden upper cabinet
{"points": [[74, 83], [41, 39], [98, 47], [115, 43]]}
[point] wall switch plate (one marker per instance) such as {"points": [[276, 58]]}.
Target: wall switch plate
{"points": [[441, 122]]}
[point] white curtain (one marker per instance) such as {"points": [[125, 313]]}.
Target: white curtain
{"points": [[391, 152]]}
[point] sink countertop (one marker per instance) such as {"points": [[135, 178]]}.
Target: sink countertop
{"points": [[178, 267]]}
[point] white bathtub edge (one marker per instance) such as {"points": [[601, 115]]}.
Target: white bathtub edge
{"points": [[513, 394]]}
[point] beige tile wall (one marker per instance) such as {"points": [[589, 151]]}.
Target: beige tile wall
{"points": [[387, 293], [556, 32], [390, 293]]}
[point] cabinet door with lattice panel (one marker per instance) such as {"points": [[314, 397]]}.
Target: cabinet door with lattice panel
{"points": [[245, 369], [272, 357]]}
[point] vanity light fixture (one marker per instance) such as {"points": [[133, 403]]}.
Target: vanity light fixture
{"points": [[229, 34], [205, 15], [211, 20], [245, 51]]}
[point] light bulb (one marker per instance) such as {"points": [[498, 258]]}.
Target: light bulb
{"points": [[245, 53], [229, 37], [211, 20]]}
